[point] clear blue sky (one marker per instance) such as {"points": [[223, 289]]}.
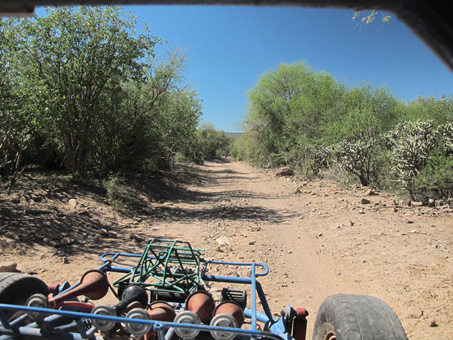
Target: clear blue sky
{"points": [[229, 48]]}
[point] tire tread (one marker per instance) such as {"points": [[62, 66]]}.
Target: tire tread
{"points": [[358, 317]]}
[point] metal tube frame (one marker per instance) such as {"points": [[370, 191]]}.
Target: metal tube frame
{"points": [[81, 320]]}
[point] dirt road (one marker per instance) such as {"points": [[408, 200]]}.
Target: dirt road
{"points": [[317, 237]]}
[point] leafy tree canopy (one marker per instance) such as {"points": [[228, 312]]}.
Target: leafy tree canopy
{"points": [[81, 85]]}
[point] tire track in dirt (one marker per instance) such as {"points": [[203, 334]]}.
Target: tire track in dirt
{"points": [[320, 239], [317, 238], [299, 275]]}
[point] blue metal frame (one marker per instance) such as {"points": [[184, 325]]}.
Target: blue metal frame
{"points": [[72, 325], [156, 325]]}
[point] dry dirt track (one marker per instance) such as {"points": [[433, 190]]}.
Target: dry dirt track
{"points": [[317, 238]]}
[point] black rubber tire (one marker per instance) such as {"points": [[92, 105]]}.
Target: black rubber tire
{"points": [[357, 317], [16, 288]]}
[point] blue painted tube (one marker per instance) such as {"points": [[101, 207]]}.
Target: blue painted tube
{"points": [[169, 334], [244, 280], [52, 320], [253, 298], [20, 321], [229, 279], [81, 328], [124, 270], [70, 327], [279, 328], [68, 289], [4, 320], [261, 317], [116, 255], [79, 315], [37, 333], [104, 267], [91, 332], [160, 329], [264, 303]]}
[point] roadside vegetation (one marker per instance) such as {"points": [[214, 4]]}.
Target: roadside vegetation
{"points": [[82, 92], [307, 120]]}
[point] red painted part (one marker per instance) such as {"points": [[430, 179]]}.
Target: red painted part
{"points": [[161, 311], [53, 289], [301, 313], [94, 285], [201, 303], [77, 304], [98, 283], [300, 324], [231, 308], [132, 305]]}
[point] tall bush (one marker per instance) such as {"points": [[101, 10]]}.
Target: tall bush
{"points": [[212, 143], [435, 180], [79, 86], [360, 158], [411, 144], [69, 58]]}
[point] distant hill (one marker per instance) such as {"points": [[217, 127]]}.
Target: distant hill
{"points": [[233, 135]]}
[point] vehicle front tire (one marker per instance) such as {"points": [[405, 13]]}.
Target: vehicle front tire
{"points": [[16, 288], [357, 317]]}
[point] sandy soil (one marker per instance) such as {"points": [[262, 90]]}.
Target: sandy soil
{"points": [[317, 237]]}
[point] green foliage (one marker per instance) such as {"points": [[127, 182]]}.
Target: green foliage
{"points": [[359, 158], [440, 110], [289, 106], [307, 120], [363, 112], [248, 148], [81, 87], [368, 17], [241, 149], [212, 143], [150, 122], [435, 180], [411, 143], [71, 58], [315, 158], [294, 109], [117, 191], [14, 134], [445, 138]]}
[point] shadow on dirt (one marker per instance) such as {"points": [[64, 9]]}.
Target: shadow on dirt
{"points": [[47, 209], [226, 213]]}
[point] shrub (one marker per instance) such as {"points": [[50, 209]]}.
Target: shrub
{"points": [[435, 181], [116, 191], [212, 143], [411, 144], [313, 159], [359, 158], [445, 136]]}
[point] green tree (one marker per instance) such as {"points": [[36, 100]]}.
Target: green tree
{"points": [[360, 158], [243, 148], [440, 110], [289, 106], [411, 144], [212, 143], [363, 112], [177, 106], [152, 119], [16, 110], [71, 58]]}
